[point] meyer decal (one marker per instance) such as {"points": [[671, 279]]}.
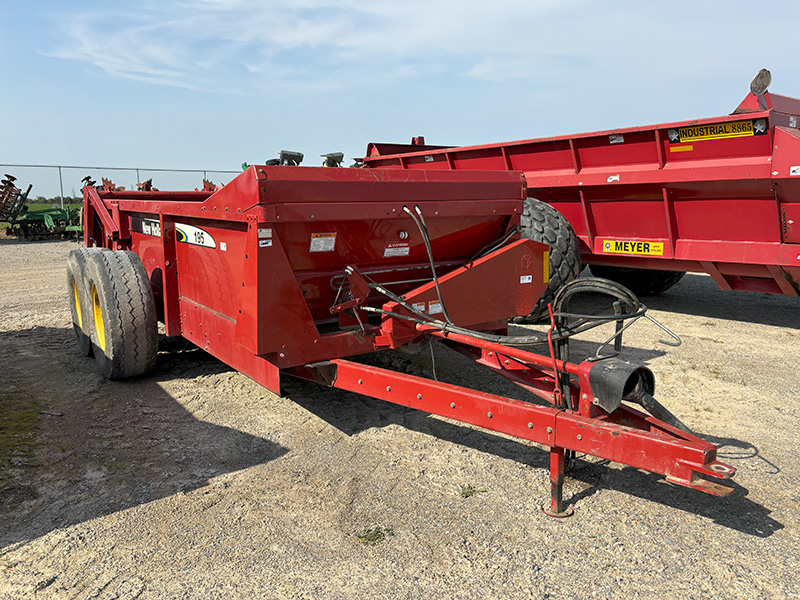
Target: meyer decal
{"points": [[189, 234], [717, 131], [633, 247]]}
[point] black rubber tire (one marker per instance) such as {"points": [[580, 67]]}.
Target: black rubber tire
{"points": [[79, 302], [543, 223], [125, 330], [642, 282]]}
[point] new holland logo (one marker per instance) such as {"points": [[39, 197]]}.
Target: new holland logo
{"points": [[146, 226]]}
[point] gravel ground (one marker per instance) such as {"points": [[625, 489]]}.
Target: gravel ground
{"points": [[194, 482]]}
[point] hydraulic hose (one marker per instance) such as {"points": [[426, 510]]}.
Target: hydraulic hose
{"points": [[639, 396], [423, 230], [585, 323]]}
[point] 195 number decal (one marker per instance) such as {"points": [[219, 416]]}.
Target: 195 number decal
{"points": [[189, 234]]}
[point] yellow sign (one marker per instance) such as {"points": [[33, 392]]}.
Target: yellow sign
{"points": [[633, 247], [546, 266], [717, 131]]}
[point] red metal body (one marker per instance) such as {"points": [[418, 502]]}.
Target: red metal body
{"points": [[718, 195], [274, 274]]}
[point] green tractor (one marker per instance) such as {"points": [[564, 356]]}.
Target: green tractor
{"points": [[41, 224]]}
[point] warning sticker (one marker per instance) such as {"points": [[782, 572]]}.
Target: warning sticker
{"points": [[794, 171], [526, 279], [420, 306], [264, 243], [265, 232], [633, 247], [717, 131], [434, 307], [322, 242], [396, 249]]}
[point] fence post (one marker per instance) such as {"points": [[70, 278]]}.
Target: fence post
{"points": [[61, 187]]}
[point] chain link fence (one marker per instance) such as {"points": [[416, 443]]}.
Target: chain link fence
{"points": [[59, 185]]}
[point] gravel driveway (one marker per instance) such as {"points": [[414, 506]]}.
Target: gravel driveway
{"points": [[194, 482]]}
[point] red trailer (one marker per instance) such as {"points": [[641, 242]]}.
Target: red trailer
{"points": [[718, 195], [292, 271]]}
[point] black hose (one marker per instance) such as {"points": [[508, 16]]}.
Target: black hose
{"points": [[423, 229], [641, 397], [496, 244], [578, 285]]}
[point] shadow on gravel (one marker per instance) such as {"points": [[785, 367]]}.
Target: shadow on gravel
{"points": [[74, 446], [699, 296], [734, 512], [350, 413]]}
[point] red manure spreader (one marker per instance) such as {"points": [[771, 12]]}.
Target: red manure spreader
{"points": [[294, 270], [644, 205]]}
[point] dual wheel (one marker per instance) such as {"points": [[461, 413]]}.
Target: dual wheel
{"points": [[113, 311]]}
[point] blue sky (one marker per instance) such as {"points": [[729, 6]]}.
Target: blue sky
{"points": [[211, 83]]}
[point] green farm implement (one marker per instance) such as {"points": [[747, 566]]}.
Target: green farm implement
{"points": [[35, 224]]}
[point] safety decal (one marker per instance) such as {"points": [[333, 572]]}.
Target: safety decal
{"points": [[633, 247], [526, 279], [265, 232], [322, 242], [794, 171], [717, 131], [616, 138], [392, 249], [264, 243], [146, 226], [434, 307], [189, 234]]}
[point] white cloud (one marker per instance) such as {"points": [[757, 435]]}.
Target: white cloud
{"points": [[200, 44], [318, 46]]}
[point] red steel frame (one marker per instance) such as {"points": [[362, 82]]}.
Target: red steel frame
{"points": [[723, 199], [253, 290]]}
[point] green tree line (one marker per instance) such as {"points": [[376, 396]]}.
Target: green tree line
{"points": [[56, 200]]}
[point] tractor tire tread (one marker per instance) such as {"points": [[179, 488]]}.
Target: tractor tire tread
{"points": [[132, 335], [543, 223], [76, 265]]}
